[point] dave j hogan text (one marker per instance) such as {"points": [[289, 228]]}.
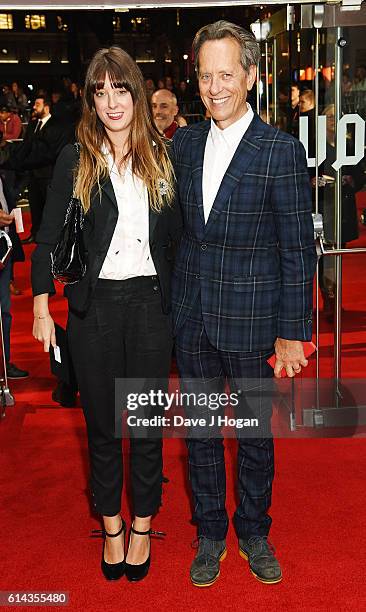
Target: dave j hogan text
{"points": [[214, 420]]}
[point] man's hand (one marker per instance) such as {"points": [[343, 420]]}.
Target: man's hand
{"points": [[289, 355], [5, 219]]}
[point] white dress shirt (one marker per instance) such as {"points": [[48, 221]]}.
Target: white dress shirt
{"points": [[129, 251], [220, 148], [44, 121]]}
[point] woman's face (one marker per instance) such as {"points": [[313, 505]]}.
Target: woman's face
{"points": [[114, 108]]}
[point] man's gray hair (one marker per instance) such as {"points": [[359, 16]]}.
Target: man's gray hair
{"points": [[249, 48]]}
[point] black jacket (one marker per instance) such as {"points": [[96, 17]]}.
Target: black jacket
{"points": [[38, 152], [98, 228]]}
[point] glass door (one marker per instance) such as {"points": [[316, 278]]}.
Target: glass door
{"points": [[312, 84]]}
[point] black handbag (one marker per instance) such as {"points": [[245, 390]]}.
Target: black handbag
{"points": [[68, 258]]}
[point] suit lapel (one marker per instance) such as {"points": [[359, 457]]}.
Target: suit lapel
{"points": [[107, 188], [244, 155], [197, 154], [153, 219]]}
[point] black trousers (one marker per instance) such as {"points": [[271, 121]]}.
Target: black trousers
{"points": [[125, 334], [250, 376]]}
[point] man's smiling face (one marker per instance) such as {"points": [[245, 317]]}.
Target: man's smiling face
{"points": [[223, 82]]}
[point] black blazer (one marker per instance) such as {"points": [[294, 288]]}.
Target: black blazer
{"points": [[98, 228], [38, 152]]}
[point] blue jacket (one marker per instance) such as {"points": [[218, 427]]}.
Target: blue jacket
{"points": [[253, 263]]}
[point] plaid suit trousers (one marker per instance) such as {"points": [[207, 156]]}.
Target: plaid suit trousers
{"points": [[198, 359]]}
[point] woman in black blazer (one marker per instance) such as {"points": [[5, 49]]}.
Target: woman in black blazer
{"points": [[119, 323]]}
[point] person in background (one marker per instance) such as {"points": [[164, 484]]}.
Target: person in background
{"points": [[7, 97], [150, 88], [75, 103], [165, 110], [20, 97], [119, 323], [307, 109], [293, 111], [359, 82], [43, 141], [60, 109], [352, 181], [306, 101], [169, 85], [10, 123], [7, 223]]}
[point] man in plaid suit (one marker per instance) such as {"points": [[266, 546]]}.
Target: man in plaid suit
{"points": [[242, 286]]}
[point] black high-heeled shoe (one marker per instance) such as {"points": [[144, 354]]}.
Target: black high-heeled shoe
{"points": [[134, 573], [112, 571]]}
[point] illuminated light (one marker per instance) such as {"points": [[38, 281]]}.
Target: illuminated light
{"points": [[261, 88], [64, 61], [6, 61], [185, 56], [39, 61], [327, 73], [302, 74], [35, 22], [309, 73], [6, 21], [145, 61]]}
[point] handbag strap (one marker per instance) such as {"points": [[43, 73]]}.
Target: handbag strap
{"points": [[77, 147]]}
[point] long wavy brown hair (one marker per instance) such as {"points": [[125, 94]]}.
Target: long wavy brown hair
{"points": [[146, 148]]}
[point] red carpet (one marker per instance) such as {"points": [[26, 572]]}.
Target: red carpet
{"points": [[318, 505]]}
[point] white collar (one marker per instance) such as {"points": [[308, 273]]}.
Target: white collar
{"points": [[46, 118], [235, 132], [112, 164]]}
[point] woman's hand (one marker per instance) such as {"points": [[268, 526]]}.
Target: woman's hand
{"points": [[44, 331], [43, 326]]}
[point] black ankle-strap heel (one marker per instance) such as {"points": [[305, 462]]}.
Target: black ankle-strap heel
{"points": [[134, 573], [111, 571]]}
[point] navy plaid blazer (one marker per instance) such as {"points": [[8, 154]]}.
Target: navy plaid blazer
{"points": [[254, 261]]}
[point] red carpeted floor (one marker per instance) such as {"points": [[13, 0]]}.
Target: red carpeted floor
{"points": [[318, 504]]}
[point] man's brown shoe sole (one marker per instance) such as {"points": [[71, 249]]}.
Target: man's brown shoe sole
{"points": [[207, 584], [274, 581]]}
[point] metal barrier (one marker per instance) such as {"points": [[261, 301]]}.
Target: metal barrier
{"points": [[6, 398]]}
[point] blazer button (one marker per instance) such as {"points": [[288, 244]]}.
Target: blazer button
{"points": [[203, 247], [197, 276], [155, 287]]}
